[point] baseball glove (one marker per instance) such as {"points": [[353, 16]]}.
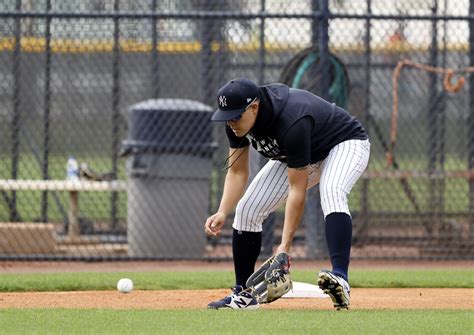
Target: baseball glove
{"points": [[272, 280]]}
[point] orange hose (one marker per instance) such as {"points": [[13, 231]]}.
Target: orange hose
{"points": [[448, 86]]}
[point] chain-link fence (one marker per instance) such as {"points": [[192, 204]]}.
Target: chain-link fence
{"points": [[118, 94]]}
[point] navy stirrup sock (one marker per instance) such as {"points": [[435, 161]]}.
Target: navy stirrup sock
{"points": [[245, 249], [339, 240]]}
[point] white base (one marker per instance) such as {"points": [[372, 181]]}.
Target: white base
{"points": [[304, 290]]}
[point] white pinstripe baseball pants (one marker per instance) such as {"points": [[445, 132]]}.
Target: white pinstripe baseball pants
{"points": [[337, 174]]}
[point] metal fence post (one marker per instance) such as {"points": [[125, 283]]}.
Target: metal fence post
{"points": [[313, 218], [46, 113], [432, 120], [364, 199], [442, 127], [314, 231], [470, 129], [155, 77], [16, 120], [206, 58], [262, 51], [323, 46], [115, 109]]}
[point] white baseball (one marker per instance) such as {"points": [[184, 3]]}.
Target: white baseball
{"points": [[125, 285]]}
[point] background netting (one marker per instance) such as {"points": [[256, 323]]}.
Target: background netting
{"points": [[73, 73]]}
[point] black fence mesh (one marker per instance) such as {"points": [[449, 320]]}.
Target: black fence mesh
{"points": [[73, 74]]}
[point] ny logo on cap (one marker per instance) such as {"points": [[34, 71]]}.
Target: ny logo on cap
{"points": [[222, 101]]}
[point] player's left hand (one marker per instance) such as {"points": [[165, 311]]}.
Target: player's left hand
{"points": [[272, 280]]}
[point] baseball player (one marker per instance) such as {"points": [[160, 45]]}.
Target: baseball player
{"points": [[308, 141]]}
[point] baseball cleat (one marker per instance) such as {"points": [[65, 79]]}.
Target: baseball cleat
{"points": [[336, 287], [238, 299]]}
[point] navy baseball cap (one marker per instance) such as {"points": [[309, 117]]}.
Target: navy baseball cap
{"points": [[233, 98]]}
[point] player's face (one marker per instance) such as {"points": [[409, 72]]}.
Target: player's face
{"points": [[242, 125]]}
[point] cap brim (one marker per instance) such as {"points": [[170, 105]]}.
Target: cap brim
{"points": [[221, 115]]}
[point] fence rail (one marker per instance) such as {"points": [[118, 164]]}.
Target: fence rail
{"points": [[235, 15]]}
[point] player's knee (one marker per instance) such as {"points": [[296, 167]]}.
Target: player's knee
{"points": [[334, 192], [333, 199], [247, 218]]}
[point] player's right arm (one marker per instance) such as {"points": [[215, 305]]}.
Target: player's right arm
{"points": [[234, 187]]}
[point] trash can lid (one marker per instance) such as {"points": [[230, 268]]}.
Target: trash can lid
{"points": [[172, 105]]}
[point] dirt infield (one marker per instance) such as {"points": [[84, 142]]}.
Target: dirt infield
{"points": [[403, 298], [362, 298]]}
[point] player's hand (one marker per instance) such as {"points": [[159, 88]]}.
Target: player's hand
{"points": [[214, 224]]}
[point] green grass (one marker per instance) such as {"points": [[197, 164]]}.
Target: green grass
{"points": [[73, 321], [173, 280], [200, 321]]}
